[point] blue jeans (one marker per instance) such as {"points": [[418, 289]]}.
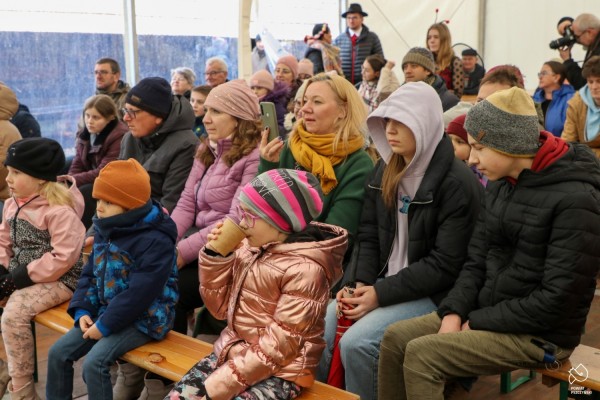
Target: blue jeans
{"points": [[101, 354], [359, 347]]}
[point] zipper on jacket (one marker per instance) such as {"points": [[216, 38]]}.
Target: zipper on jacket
{"points": [[14, 228], [103, 273], [509, 197], [396, 230]]}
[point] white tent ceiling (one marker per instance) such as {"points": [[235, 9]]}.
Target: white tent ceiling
{"points": [[504, 31]]}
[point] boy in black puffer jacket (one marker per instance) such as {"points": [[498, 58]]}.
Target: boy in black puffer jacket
{"points": [[524, 293]]}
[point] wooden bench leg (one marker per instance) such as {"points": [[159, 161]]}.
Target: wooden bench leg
{"points": [[507, 385]]}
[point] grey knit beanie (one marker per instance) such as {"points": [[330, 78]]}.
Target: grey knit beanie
{"points": [[507, 122], [420, 56]]}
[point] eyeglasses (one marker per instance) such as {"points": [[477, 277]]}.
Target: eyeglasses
{"points": [[103, 72], [248, 218], [212, 73], [544, 73], [178, 80], [580, 35], [128, 112]]}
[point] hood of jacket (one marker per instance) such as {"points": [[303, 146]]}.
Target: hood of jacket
{"points": [[279, 93], [8, 102], [418, 106], [574, 166], [122, 88], [180, 118], [329, 252], [69, 181], [150, 216], [78, 202], [586, 96], [563, 90]]}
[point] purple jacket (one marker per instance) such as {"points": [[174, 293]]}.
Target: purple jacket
{"points": [[207, 199]]}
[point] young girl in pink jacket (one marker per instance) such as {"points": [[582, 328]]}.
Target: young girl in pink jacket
{"points": [[273, 290], [41, 237]]}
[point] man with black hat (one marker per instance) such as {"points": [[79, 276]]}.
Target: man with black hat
{"points": [[160, 137], [356, 43], [473, 72]]}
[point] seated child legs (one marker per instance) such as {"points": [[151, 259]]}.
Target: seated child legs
{"points": [[101, 354], [415, 360], [192, 384], [21, 307]]}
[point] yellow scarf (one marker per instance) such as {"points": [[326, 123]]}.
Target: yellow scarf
{"points": [[315, 153]]}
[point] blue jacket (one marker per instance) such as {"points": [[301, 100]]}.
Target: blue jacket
{"points": [[131, 275], [556, 114]]}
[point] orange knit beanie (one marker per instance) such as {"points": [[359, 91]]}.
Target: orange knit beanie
{"points": [[124, 183]]}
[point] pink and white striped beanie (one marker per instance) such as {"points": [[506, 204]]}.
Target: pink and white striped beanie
{"points": [[287, 199]]}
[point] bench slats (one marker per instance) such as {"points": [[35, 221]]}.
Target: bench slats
{"points": [[179, 354]]}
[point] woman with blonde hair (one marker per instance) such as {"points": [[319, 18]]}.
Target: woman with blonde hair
{"points": [[329, 142], [41, 237], [448, 65]]}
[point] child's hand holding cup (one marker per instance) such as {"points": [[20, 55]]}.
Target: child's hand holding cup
{"points": [[225, 237]]}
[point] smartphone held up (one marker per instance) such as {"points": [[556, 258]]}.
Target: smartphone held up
{"points": [[269, 119]]}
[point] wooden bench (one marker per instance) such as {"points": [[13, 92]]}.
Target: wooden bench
{"points": [[173, 356], [586, 356]]}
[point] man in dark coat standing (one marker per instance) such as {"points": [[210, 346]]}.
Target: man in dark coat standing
{"points": [[356, 43]]}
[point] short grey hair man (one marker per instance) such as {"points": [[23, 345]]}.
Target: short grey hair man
{"points": [[215, 72]]}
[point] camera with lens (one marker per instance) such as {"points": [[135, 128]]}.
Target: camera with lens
{"points": [[567, 40]]}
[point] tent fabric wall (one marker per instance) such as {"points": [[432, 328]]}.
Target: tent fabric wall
{"points": [[513, 32]]}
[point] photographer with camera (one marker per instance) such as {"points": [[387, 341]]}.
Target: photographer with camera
{"points": [[584, 30]]}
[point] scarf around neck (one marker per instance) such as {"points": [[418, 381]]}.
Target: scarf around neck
{"points": [[314, 152]]}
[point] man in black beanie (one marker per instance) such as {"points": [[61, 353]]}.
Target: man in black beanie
{"points": [[160, 137]]}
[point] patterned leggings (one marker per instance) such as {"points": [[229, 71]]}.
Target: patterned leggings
{"points": [[191, 386], [21, 307]]}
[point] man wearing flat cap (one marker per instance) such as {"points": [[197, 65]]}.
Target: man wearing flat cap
{"points": [[473, 72], [356, 43]]}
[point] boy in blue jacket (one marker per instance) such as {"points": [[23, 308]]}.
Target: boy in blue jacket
{"points": [[128, 289]]}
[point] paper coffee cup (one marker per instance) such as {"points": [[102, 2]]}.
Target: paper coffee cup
{"points": [[231, 235]]}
